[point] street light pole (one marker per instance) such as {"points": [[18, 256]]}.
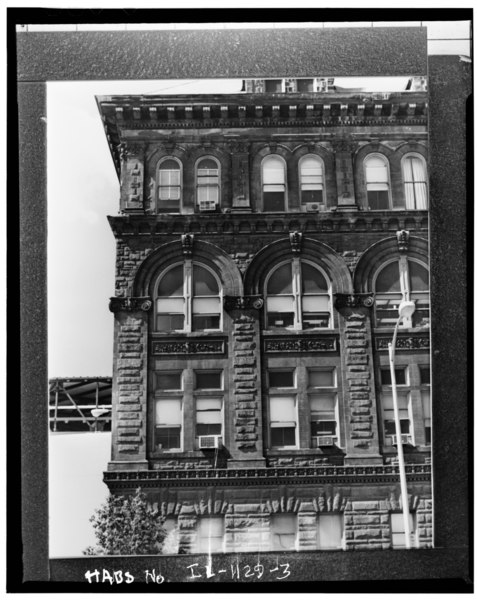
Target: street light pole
{"points": [[406, 309]]}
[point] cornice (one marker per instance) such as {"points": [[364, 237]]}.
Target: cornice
{"points": [[346, 475]]}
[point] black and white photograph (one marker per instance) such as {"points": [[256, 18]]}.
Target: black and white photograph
{"points": [[244, 282]]}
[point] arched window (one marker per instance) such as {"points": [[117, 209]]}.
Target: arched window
{"points": [[298, 297], [273, 184], [415, 182], [311, 179], [188, 298], [169, 188], [208, 184], [404, 279], [377, 182]]}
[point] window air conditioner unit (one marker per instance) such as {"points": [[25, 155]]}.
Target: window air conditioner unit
{"points": [[406, 438], [314, 206], [207, 205], [210, 442], [323, 440]]}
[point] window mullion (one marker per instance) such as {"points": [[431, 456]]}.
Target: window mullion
{"points": [[296, 278], [188, 295]]}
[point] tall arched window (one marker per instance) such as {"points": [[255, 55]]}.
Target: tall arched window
{"points": [[311, 179], [415, 182], [298, 297], [403, 279], [169, 187], [188, 298], [208, 184], [377, 182], [273, 184]]}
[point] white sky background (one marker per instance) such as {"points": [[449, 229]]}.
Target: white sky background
{"points": [[82, 190]]}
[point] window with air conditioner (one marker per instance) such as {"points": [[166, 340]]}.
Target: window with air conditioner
{"points": [[415, 182], [188, 298], [169, 189], [208, 184], [377, 182], [208, 422], [395, 281], [405, 418], [274, 187], [323, 399], [298, 296]]}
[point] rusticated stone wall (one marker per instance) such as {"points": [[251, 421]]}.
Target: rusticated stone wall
{"points": [[129, 387], [127, 261]]}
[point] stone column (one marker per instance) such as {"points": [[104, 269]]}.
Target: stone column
{"points": [[307, 525], [361, 423], [187, 522], [129, 401], [367, 526], [424, 523], [343, 149], [132, 178], [246, 443]]}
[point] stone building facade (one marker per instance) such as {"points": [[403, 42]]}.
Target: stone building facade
{"points": [[264, 242]]}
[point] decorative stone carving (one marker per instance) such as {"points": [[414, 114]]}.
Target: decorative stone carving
{"points": [[187, 241], [243, 303], [130, 304], [405, 343], [238, 147], [403, 240], [302, 344], [354, 300], [295, 242], [345, 144], [189, 347]]}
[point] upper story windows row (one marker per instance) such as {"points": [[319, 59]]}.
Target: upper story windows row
{"points": [[310, 183]]}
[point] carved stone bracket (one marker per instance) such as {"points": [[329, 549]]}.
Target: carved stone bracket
{"points": [[243, 303], [130, 304], [354, 300], [403, 240], [295, 242], [187, 241]]}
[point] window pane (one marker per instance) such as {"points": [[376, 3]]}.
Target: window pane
{"points": [[273, 170], [282, 319], [169, 165], [167, 438], [206, 306], [323, 402], [273, 85], [209, 416], [205, 284], [426, 404], [282, 408], [281, 280], [323, 428], [312, 280], [205, 322], [169, 381], [170, 322], [281, 378], [309, 196], [170, 305], [425, 375], [330, 531], [388, 279], [210, 532], [376, 170], [387, 401], [172, 282], [304, 85], [321, 378], [207, 380], [314, 320], [207, 163], [316, 304], [419, 277], [208, 404], [282, 436], [212, 428], [168, 411], [274, 201], [283, 528], [378, 200], [400, 376]]}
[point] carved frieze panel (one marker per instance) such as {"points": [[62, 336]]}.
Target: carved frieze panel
{"points": [[302, 344], [418, 342], [160, 347]]}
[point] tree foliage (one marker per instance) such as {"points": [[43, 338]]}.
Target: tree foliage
{"points": [[126, 525]]}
